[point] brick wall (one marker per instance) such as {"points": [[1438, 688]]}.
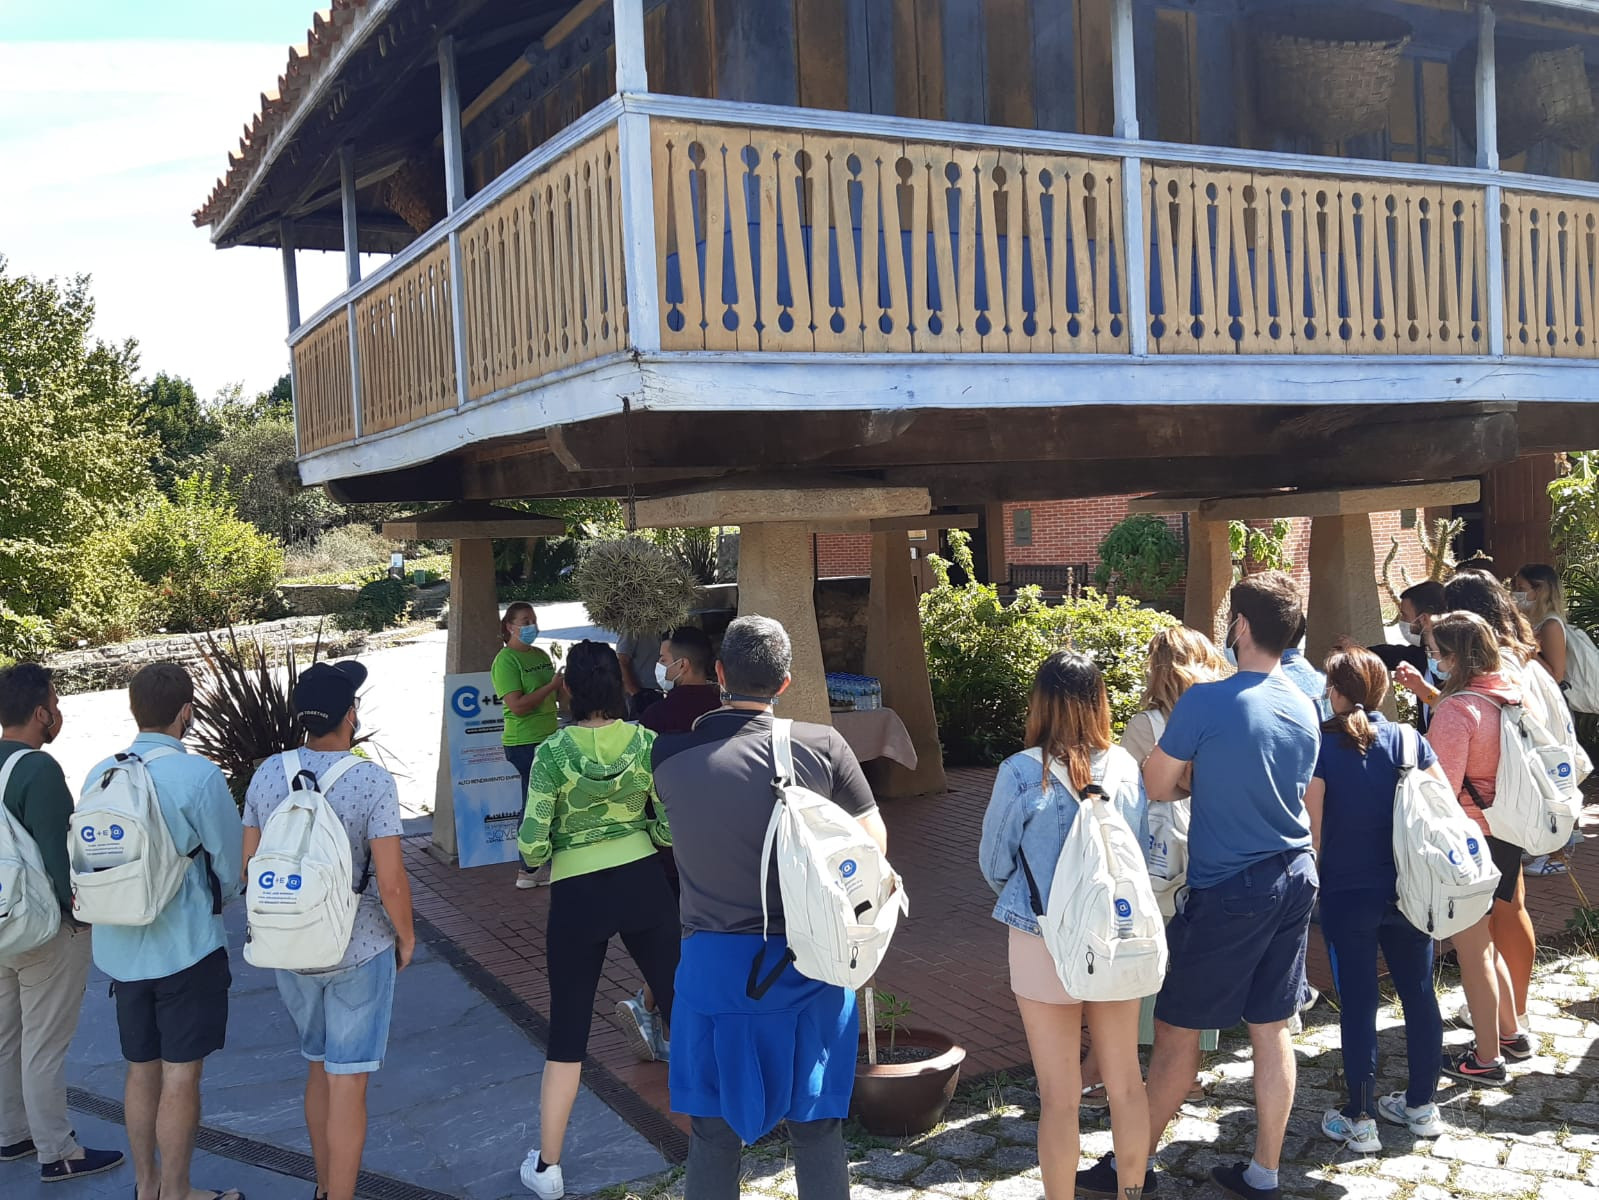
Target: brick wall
{"points": [[843, 554]]}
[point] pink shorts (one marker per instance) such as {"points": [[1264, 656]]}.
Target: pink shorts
{"points": [[1032, 970]]}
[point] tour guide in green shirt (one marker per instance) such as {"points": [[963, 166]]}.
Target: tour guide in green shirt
{"points": [[526, 681]]}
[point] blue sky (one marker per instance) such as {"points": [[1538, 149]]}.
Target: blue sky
{"points": [[116, 117]]}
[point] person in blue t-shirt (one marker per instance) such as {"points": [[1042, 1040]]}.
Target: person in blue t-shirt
{"points": [[1237, 950], [1351, 806], [1306, 678]]}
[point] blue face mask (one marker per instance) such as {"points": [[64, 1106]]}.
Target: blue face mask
{"points": [[1436, 671], [528, 634]]}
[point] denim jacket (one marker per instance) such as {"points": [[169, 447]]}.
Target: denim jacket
{"points": [[1024, 816]]}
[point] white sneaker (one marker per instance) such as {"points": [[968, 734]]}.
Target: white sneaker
{"points": [[547, 1183], [1424, 1122], [1358, 1135], [536, 878], [641, 1027]]}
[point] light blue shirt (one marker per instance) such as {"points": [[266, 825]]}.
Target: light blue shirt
{"points": [[199, 811], [1253, 740], [1026, 817], [1306, 678]]}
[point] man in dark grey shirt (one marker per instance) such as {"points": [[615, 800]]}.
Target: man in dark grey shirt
{"points": [[716, 782]]}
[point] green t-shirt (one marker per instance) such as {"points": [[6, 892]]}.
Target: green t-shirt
{"points": [[38, 797], [525, 671]]}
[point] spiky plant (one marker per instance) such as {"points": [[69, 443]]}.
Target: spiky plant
{"points": [[1438, 551], [242, 704], [632, 586]]}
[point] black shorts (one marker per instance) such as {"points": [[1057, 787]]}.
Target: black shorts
{"points": [[1508, 859], [179, 1019]]}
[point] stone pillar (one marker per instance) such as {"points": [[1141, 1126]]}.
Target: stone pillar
{"points": [[1343, 591], [896, 654], [776, 578], [1210, 577], [474, 640]]}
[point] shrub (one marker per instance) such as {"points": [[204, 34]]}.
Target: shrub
{"points": [[1141, 557], [110, 603], [208, 568], [257, 459], [982, 654], [347, 548], [379, 605], [22, 637]]}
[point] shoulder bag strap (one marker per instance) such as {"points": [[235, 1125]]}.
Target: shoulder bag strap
{"points": [[1034, 896], [757, 985], [324, 785], [5, 782], [1409, 748]]}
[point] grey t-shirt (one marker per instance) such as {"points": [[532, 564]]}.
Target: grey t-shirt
{"points": [[643, 653], [716, 783], [368, 806]]}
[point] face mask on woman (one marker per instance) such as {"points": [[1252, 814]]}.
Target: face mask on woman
{"points": [[1523, 600], [528, 634]]}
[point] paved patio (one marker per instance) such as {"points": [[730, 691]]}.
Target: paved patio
{"points": [[948, 959]]}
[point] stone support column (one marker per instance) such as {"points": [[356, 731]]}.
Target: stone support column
{"points": [[1210, 577], [474, 640], [896, 655], [776, 579], [1343, 592]]}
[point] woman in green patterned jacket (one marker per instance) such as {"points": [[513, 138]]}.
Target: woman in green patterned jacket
{"points": [[588, 815]]}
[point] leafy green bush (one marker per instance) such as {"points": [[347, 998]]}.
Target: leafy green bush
{"points": [[22, 637], [257, 459], [982, 654], [1574, 505], [1265, 549], [110, 603], [381, 604], [1141, 557], [208, 568]]}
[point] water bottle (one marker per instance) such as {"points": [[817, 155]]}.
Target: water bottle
{"points": [[1124, 912]]}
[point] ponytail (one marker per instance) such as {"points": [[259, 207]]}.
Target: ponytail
{"points": [[1358, 676], [1355, 726]]}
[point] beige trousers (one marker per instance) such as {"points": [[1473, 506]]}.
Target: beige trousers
{"points": [[41, 995]]}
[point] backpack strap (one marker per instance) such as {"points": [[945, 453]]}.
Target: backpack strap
{"points": [[5, 782], [157, 752], [1409, 748], [302, 779], [757, 985]]}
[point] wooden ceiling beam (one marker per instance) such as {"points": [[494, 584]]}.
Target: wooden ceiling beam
{"points": [[1333, 502]]}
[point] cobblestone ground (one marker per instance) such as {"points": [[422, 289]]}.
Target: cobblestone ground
{"points": [[1537, 1138]]}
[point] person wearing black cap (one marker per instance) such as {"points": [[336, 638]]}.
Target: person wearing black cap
{"points": [[342, 1014]]}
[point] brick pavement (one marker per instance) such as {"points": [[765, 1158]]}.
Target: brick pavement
{"points": [[948, 959]]}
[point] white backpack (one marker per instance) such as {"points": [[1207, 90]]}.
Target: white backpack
{"points": [[1167, 853], [125, 866], [1446, 875], [1581, 687], [30, 913], [842, 900], [1529, 810], [1565, 761], [301, 895], [1103, 925]]}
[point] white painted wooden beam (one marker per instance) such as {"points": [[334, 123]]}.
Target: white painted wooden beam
{"points": [[352, 243], [1124, 75], [631, 72], [291, 274], [450, 106], [637, 182], [354, 322], [1487, 91], [1135, 255]]}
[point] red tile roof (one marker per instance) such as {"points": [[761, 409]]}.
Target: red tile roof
{"points": [[281, 108]]}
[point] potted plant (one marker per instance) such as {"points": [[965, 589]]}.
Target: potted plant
{"points": [[905, 1078]]}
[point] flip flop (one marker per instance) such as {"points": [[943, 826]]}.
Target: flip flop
{"points": [[228, 1194]]}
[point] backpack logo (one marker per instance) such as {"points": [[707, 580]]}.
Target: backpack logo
{"points": [[1565, 770], [88, 833], [1472, 846], [847, 868], [294, 883], [266, 879], [116, 833], [1123, 909]]}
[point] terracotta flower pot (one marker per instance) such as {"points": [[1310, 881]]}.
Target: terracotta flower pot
{"points": [[903, 1099]]}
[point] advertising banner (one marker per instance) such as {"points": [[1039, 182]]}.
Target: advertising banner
{"points": [[486, 788]]}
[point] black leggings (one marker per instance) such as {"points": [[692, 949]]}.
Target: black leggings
{"points": [[586, 911]]}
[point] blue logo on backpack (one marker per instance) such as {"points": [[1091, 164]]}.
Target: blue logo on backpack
{"points": [[117, 833], [266, 879], [88, 833], [847, 868], [294, 883], [1123, 909]]}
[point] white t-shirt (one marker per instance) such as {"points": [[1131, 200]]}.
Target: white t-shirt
{"points": [[368, 806]]}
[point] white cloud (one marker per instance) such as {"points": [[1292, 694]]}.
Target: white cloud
{"points": [[105, 150]]}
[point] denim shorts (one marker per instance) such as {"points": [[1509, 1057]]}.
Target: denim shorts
{"points": [[343, 1016], [1237, 950]]}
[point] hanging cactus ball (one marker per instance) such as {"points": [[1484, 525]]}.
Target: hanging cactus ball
{"points": [[632, 586]]}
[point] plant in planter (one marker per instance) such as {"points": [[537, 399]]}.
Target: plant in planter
{"points": [[903, 1089]]}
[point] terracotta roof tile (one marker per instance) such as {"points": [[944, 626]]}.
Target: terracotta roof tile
{"points": [[328, 30]]}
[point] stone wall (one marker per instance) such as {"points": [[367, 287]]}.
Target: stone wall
{"points": [[841, 620]]}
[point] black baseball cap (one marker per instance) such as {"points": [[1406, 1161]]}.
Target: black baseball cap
{"points": [[324, 692]]}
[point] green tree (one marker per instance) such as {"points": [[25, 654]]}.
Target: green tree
{"points": [[184, 429], [1141, 557], [75, 455], [257, 460]]}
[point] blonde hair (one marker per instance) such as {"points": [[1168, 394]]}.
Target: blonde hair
{"points": [[1471, 643], [1544, 590], [1068, 715], [1178, 658]]}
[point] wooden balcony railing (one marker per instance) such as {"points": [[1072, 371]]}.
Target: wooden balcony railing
{"points": [[772, 240], [1257, 263], [787, 231]]}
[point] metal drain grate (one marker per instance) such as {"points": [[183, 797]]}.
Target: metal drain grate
{"points": [[370, 1185], [653, 1126]]}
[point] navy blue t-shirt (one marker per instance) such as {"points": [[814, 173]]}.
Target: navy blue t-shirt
{"points": [[1252, 739], [1357, 816]]}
